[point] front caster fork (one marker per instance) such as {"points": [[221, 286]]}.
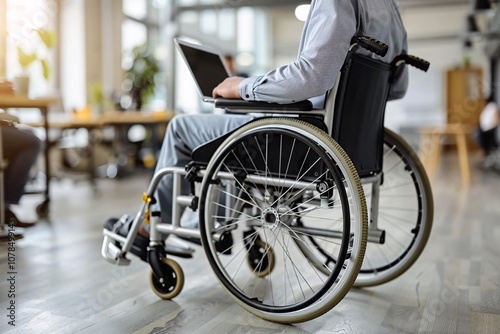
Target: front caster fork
{"points": [[163, 273]]}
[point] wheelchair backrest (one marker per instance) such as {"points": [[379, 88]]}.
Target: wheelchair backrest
{"points": [[358, 120]]}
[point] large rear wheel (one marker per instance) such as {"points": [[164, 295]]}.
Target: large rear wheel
{"points": [[401, 214], [280, 183]]}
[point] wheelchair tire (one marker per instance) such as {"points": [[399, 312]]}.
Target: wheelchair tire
{"points": [[168, 291], [408, 223], [269, 165]]}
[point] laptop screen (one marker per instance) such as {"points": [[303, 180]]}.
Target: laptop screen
{"points": [[206, 67]]}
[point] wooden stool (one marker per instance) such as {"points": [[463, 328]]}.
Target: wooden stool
{"points": [[431, 147]]}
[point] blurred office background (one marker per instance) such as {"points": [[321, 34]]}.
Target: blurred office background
{"points": [[96, 41]]}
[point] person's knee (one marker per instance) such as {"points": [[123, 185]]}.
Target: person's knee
{"points": [[179, 125], [37, 143], [179, 122], [33, 143]]}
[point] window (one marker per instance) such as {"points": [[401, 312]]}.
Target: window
{"points": [[137, 9], [141, 29], [24, 18]]}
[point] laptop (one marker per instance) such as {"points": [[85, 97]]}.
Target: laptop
{"points": [[206, 66]]}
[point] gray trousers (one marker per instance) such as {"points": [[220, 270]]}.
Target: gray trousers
{"points": [[21, 149], [184, 134]]}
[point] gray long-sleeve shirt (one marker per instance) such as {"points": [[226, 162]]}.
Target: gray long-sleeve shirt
{"points": [[323, 47]]}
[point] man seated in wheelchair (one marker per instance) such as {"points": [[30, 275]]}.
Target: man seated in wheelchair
{"points": [[325, 43]]}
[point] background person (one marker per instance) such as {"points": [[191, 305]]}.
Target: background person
{"points": [[20, 149]]}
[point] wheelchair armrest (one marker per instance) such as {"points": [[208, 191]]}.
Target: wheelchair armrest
{"points": [[262, 106]]}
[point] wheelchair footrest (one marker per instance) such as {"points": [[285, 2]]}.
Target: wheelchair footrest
{"points": [[113, 253]]}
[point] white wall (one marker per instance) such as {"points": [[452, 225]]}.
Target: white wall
{"points": [[285, 34], [73, 87], [433, 35], [90, 49]]}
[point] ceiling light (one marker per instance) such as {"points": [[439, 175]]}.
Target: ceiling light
{"points": [[302, 11]]}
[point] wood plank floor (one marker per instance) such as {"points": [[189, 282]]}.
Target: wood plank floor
{"points": [[64, 286]]}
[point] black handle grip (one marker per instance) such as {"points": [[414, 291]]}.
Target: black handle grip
{"points": [[372, 45], [419, 63]]}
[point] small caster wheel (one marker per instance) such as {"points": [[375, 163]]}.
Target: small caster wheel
{"points": [[42, 210], [261, 258], [168, 290]]}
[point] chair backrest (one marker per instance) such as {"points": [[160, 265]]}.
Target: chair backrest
{"points": [[358, 120]]}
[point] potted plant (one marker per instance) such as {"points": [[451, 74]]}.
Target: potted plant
{"points": [[96, 98], [141, 76], [26, 60]]}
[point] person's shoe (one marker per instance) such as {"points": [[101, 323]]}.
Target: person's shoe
{"points": [[11, 218], [141, 243], [5, 236]]}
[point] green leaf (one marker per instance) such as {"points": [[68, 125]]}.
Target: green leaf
{"points": [[25, 59], [46, 69], [49, 38]]}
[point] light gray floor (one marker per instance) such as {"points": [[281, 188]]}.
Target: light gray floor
{"points": [[64, 286]]}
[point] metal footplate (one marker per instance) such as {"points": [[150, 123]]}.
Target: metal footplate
{"points": [[110, 251]]}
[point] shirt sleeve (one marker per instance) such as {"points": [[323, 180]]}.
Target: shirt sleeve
{"points": [[325, 42], [400, 85]]}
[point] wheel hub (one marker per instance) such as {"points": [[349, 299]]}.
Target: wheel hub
{"points": [[270, 218]]}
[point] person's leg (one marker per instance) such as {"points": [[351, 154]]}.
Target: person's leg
{"points": [[184, 134], [21, 149]]}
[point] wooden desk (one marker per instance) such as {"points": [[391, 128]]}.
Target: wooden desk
{"points": [[431, 147], [135, 117], [72, 121], [16, 101], [120, 120]]}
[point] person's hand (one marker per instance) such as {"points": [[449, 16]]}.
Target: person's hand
{"points": [[228, 88]]}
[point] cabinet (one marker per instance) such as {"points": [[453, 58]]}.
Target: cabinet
{"points": [[465, 98], [464, 95]]}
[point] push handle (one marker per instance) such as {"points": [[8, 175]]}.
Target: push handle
{"points": [[419, 63], [371, 44]]}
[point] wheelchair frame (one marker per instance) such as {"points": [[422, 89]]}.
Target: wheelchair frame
{"points": [[338, 182]]}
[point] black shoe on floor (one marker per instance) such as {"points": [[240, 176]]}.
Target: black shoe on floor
{"points": [[141, 244]]}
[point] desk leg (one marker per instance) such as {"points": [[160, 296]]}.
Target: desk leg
{"points": [[426, 151], [119, 151], [122, 166], [464, 158], [43, 209], [437, 139]]}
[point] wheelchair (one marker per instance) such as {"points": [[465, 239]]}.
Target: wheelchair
{"points": [[288, 190]]}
